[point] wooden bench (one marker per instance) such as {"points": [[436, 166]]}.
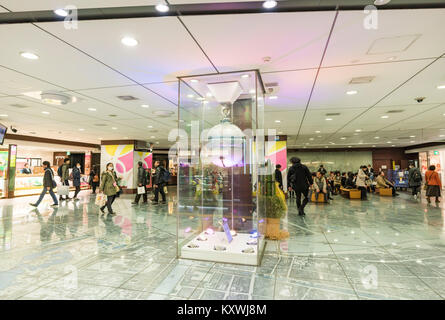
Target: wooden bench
{"points": [[351, 193], [385, 192], [320, 197]]}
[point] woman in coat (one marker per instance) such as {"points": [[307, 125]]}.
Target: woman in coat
{"points": [[94, 178], [108, 185], [76, 180], [48, 185], [361, 182], [433, 184]]}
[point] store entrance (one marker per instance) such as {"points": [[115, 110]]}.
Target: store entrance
{"points": [[78, 158]]}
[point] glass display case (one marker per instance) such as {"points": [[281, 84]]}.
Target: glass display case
{"points": [[220, 156]]}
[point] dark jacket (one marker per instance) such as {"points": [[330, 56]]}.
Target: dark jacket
{"points": [[26, 171], [157, 175], [65, 172], [322, 170], [142, 176], [299, 177], [411, 181], [279, 177], [48, 178], [350, 183], [76, 177]]}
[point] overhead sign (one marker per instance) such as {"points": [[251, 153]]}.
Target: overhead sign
{"points": [[436, 153]]}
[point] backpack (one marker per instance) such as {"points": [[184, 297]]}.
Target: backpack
{"points": [[59, 171], [417, 176], [165, 176]]}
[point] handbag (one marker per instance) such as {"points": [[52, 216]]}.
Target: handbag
{"points": [[101, 199], [63, 190], [141, 190], [165, 190]]}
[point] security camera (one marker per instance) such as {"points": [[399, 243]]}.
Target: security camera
{"points": [[13, 129], [420, 99]]}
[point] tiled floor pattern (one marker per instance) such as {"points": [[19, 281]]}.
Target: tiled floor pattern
{"points": [[384, 248]]}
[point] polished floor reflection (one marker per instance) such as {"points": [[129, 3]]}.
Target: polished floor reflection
{"points": [[383, 248]]}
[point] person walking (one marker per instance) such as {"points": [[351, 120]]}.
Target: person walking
{"points": [[414, 180], [300, 179], [433, 184], [159, 181], [279, 176], [76, 180], [64, 174], [48, 185], [142, 182], [108, 185], [361, 182], [94, 179]]}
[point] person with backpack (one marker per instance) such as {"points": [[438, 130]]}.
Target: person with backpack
{"points": [[300, 179], [48, 185], [160, 180], [414, 180], [64, 174]]}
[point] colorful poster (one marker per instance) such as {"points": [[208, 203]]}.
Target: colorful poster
{"points": [[147, 164], [122, 158], [276, 152]]}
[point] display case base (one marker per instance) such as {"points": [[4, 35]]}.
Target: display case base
{"points": [[232, 254]]}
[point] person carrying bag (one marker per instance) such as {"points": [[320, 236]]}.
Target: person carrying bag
{"points": [[48, 185], [109, 187]]}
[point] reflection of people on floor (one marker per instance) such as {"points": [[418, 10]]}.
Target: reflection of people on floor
{"points": [[46, 228]]}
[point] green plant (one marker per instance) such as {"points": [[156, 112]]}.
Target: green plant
{"points": [[275, 207]]}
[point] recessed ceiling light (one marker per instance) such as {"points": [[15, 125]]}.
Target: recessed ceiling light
{"points": [[114, 128], [351, 92], [92, 109], [45, 112], [161, 7], [373, 145], [200, 98], [412, 136], [412, 141], [149, 126], [29, 55], [157, 142], [194, 80], [349, 146], [388, 142], [384, 117], [81, 129], [317, 131], [145, 106], [3, 115], [311, 139], [245, 76], [61, 12], [358, 130], [152, 137], [381, 2], [441, 87], [326, 147], [269, 4], [209, 95], [343, 138], [190, 96], [318, 136], [376, 137], [393, 145], [100, 138], [328, 119], [277, 121], [442, 135], [280, 132], [273, 97], [392, 58], [252, 91], [129, 42]]}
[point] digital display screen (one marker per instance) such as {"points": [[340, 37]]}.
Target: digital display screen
{"points": [[3, 130]]}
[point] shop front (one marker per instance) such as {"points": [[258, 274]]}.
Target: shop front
{"points": [[432, 156]]}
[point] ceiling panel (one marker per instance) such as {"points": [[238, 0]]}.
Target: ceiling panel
{"points": [[165, 49], [350, 41], [236, 42], [58, 63], [23, 5]]}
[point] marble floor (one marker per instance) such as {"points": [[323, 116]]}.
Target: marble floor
{"points": [[384, 248]]}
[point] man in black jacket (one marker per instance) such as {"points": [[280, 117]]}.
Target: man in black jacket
{"points": [[158, 183], [142, 182], [300, 179]]}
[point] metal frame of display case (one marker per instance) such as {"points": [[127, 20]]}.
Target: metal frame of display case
{"points": [[210, 193]]}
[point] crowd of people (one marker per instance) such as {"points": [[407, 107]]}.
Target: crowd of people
{"points": [[107, 182], [303, 183]]}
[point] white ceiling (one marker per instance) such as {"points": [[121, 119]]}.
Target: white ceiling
{"points": [[91, 64]]}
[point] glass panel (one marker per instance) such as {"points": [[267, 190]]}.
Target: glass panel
{"points": [[217, 170]]}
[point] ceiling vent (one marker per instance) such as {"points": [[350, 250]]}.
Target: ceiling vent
{"points": [[112, 115], [19, 106], [395, 111], [163, 113], [100, 125], [331, 114], [271, 87], [361, 80], [393, 44], [127, 98]]}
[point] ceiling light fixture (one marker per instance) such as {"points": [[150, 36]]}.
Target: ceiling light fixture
{"points": [[441, 87], [328, 119], [384, 117], [3, 115], [358, 130], [29, 55], [245, 76], [317, 131], [145, 106], [269, 4], [343, 138], [81, 129], [376, 137], [381, 2], [45, 112], [194, 80], [161, 7], [61, 12], [114, 128], [149, 126], [92, 109], [351, 92], [412, 136], [277, 121], [129, 42], [56, 98], [190, 96]]}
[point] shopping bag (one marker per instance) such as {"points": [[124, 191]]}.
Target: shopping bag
{"points": [[141, 190], [63, 190], [165, 190], [101, 199]]}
